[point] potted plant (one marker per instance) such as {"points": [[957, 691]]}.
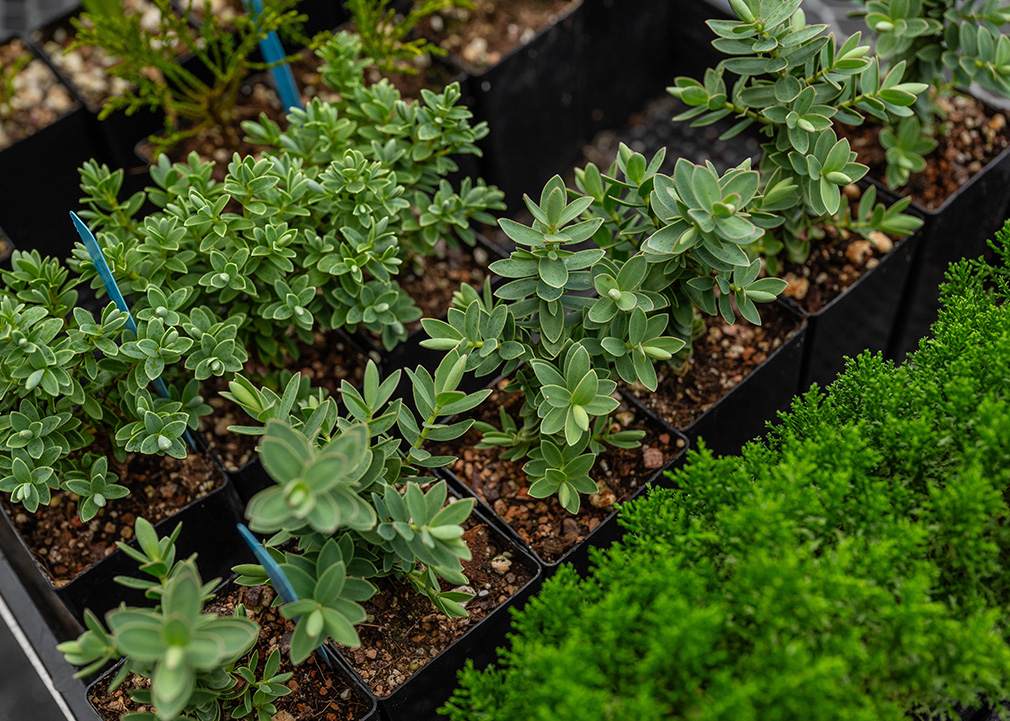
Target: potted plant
{"points": [[656, 270], [85, 441], [349, 498], [203, 650], [199, 96], [795, 82], [952, 158]]}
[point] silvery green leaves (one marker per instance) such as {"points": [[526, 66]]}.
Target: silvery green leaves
{"points": [[904, 148], [933, 36], [699, 210], [563, 471], [570, 396], [546, 274], [329, 597], [795, 81], [175, 643], [317, 488], [95, 486]]}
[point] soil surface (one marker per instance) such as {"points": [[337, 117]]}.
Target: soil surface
{"points": [[970, 136], [723, 357], [484, 35], [65, 546], [544, 524], [836, 261], [317, 692], [404, 631], [38, 100], [431, 280], [330, 360]]}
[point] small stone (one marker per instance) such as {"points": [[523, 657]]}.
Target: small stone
{"points": [[569, 525], [603, 498], [476, 51], [594, 523], [371, 653], [482, 593], [852, 191], [881, 241], [282, 716], [652, 457], [127, 533], [501, 564], [859, 251], [796, 287], [625, 418]]}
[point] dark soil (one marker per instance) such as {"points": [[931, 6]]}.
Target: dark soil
{"points": [[65, 546], [723, 357], [431, 280], [544, 524], [481, 37], [971, 136], [219, 144], [38, 99], [836, 261], [317, 692], [327, 362], [404, 631]]}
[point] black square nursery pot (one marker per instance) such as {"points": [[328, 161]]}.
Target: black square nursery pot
{"points": [[534, 103], [119, 132], [600, 537], [428, 688], [40, 180], [959, 228], [862, 317], [741, 414], [209, 530], [339, 666]]}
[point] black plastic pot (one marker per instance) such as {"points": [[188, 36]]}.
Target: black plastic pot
{"points": [[340, 667], [210, 521], [741, 414], [633, 50], [862, 318], [957, 229], [431, 685], [534, 102], [603, 535], [119, 132], [41, 184]]}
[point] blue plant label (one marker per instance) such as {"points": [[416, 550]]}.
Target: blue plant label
{"points": [[273, 51]]}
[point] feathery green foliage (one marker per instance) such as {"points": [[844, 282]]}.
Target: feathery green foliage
{"points": [[851, 566]]}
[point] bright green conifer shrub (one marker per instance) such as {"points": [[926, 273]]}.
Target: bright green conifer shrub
{"points": [[851, 566]]}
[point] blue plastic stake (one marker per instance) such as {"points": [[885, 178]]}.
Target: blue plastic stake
{"points": [[273, 52], [277, 576], [112, 288]]}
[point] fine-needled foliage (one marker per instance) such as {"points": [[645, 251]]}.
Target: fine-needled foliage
{"points": [[851, 566]]}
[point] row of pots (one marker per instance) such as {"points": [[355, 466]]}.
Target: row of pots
{"points": [[888, 297]]}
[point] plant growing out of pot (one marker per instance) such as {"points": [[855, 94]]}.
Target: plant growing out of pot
{"points": [[189, 656], [349, 493], [388, 37], [312, 235], [944, 44], [196, 97], [75, 388], [690, 245], [794, 82]]}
